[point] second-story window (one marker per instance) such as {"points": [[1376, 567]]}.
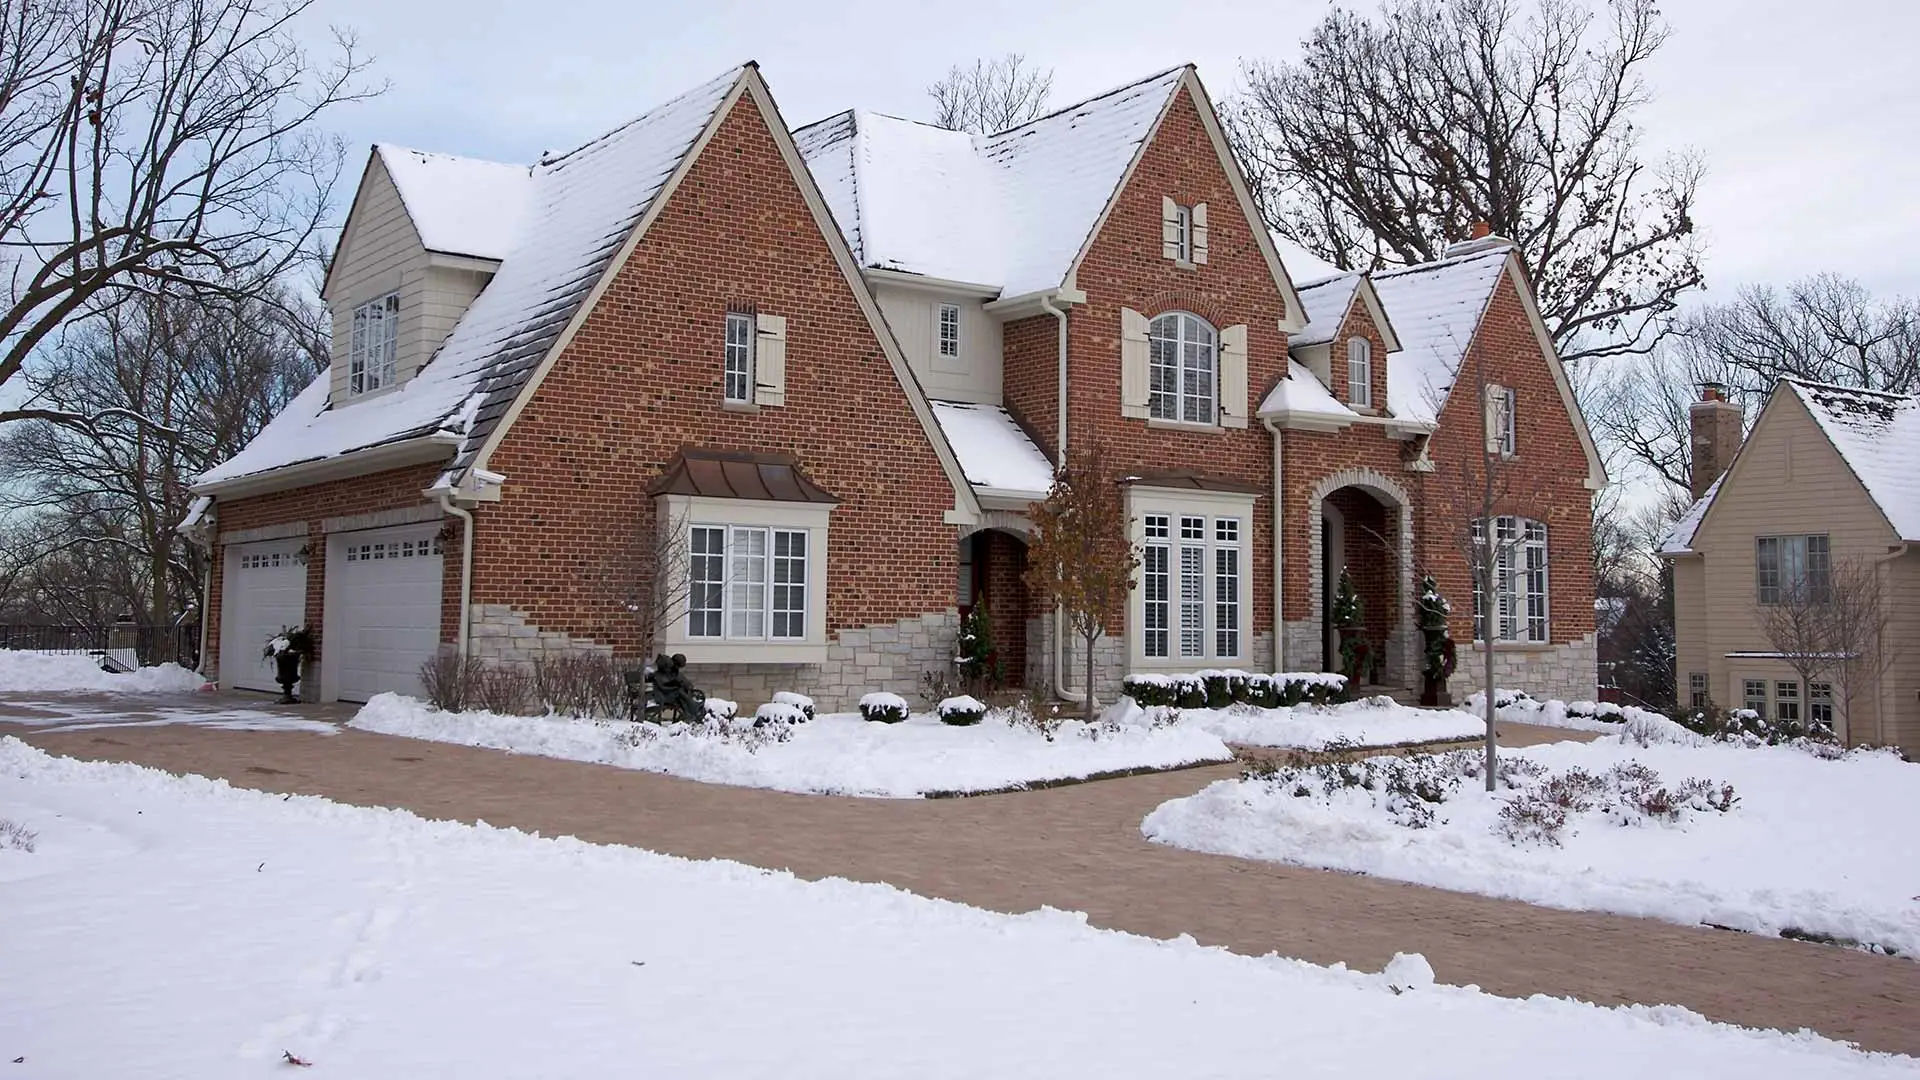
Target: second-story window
{"points": [[1792, 569], [739, 357], [376, 333], [1360, 372], [1184, 367], [949, 330]]}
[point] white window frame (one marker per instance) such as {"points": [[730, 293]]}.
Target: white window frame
{"points": [[1178, 404], [1509, 427], [374, 365], [1820, 705], [1786, 698], [1178, 530], [946, 331], [1184, 214], [736, 520], [1795, 561], [737, 374], [1754, 692], [1697, 696], [1522, 583], [1360, 372]]}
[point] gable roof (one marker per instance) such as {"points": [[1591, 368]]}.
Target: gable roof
{"points": [[1679, 538], [1878, 435], [1436, 307], [1011, 209], [1326, 303], [581, 207], [460, 205]]}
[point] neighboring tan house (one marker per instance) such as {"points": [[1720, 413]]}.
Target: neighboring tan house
{"points": [[839, 365], [1826, 477]]}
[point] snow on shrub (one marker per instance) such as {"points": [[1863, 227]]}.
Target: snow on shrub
{"points": [[1217, 689], [961, 711], [778, 713], [798, 701], [721, 711], [883, 707]]}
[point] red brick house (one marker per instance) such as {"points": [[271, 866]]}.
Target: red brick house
{"points": [[835, 367]]}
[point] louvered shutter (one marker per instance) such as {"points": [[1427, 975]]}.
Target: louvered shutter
{"points": [[1134, 354], [1199, 233], [770, 361], [1496, 422], [1233, 377], [1169, 227]]}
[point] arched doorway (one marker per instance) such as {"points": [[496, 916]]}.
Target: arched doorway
{"points": [[1362, 522], [992, 573]]}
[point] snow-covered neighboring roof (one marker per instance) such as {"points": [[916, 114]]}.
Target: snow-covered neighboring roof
{"points": [[994, 452], [1679, 538], [1435, 308], [1326, 302], [1303, 392], [1878, 435], [581, 208], [461, 206], [1303, 266], [1011, 209]]}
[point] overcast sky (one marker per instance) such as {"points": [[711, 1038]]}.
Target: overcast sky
{"points": [[1804, 112]]}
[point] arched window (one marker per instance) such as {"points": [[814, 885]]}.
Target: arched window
{"points": [[1360, 372], [1185, 361]]}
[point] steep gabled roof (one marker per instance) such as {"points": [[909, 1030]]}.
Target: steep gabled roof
{"points": [[1878, 435], [1326, 302], [581, 207], [1679, 538], [1436, 308], [461, 205], [1011, 209]]}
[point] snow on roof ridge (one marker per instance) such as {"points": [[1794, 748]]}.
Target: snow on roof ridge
{"points": [[729, 76], [1322, 282], [1444, 261], [1810, 384], [1082, 103], [1679, 538]]}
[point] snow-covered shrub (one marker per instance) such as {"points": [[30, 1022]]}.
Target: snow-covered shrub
{"points": [[1218, 687], [778, 713], [1311, 687], [1190, 692], [1407, 788], [1643, 728], [505, 689], [798, 701], [962, 711], [1749, 728], [16, 836], [1630, 793], [1148, 691], [1240, 687], [581, 683], [721, 711], [1263, 692], [1045, 722], [883, 707]]}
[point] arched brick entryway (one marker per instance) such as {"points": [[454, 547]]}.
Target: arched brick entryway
{"points": [[993, 569], [1363, 520]]}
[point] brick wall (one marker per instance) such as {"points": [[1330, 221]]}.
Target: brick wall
{"points": [[1030, 377], [1006, 599]]}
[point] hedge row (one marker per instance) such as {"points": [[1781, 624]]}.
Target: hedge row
{"points": [[1219, 689]]}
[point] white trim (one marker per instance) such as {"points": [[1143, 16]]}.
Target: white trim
{"points": [[1143, 499], [878, 275], [1596, 468], [418, 450], [1376, 484], [688, 511]]}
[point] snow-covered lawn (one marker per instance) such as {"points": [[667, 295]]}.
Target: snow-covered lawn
{"points": [[180, 928], [22, 669], [1372, 722], [56, 717], [1810, 845], [835, 754]]}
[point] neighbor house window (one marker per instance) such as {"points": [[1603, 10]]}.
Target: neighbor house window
{"points": [[739, 356], [1820, 704], [1697, 689], [1191, 581], [376, 334], [1786, 702], [949, 330], [1184, 359], [1753, 696], [1519, 581], [1788, 568], [747, 583], [1360, 372]]}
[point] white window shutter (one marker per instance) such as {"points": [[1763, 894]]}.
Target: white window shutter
{"points": [[1200, 233], [1134, 352], [1169, 227], [1496, 407], [770, 361], [1233, 377]]}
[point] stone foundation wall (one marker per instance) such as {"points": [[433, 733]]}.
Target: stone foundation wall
{"points": [[1569, 672]]}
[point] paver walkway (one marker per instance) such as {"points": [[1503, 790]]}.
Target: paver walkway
{"points": [[1076, 848]]}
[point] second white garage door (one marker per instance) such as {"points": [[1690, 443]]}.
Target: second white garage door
{"points": [[383, 608]]}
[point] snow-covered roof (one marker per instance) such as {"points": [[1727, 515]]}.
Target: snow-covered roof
{"points": [[994, 452], [1879, 436], [581, 207], [1679, 538], [1303, 266], [1010, 210], [1303, 392], [461, 206], [1326, 304], [1435, 308]]}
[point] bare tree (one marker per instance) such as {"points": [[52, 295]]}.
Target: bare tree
{"points": [[1798, 623], [661, 589], [1859, 625], [1392, 137], [990, 96], [155, 145], [1081, 559]]}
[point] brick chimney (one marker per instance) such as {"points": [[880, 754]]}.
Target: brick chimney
{"points": [[1716, 430], [1481, 230]]}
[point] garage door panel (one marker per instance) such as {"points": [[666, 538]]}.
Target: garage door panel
{"points": [[266, 590], [384, 617]]}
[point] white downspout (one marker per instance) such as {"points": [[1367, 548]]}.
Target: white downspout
{"points": [[1279, 624], [466, 567], [1060, 688]]}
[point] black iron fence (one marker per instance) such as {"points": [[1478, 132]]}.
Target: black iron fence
{"points": [[120, 647]]}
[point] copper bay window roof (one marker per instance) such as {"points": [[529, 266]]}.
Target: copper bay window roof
{"points": [[730, 474]]}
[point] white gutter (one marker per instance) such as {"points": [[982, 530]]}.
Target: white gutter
{"points": [[1279, 624], [466, 566], [1060, 688]]}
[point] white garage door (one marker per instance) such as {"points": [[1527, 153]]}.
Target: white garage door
{"points": [[266, 592], [383, 619]]}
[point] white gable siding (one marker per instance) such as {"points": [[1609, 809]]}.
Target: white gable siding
{"points": [[975, 374], [380, 253]]}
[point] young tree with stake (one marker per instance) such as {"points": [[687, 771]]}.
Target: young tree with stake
{"points": [[1081, 559]]}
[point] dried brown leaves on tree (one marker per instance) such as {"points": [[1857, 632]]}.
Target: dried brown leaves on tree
{"points": [[1081, 558], [990, 96]]}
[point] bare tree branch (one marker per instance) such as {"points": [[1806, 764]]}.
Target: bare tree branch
{"points": [[990, 96]]}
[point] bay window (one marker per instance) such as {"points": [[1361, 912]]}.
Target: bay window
{"points": [[747, 583]]}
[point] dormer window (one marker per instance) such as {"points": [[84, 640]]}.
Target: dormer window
{"points": [[1360, 372], [376, 332], [949, 331]]}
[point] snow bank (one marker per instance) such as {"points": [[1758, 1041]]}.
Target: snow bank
{"points": [[372, 943], [836, 754], [1373, 722], [1790, 855], [44, 671]]}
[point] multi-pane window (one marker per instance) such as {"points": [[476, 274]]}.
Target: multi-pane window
{"points": [[1786, 702], [375, 339], [1184, 355], [1753, 696], [1519, 580], [1191, 579], [1509, 407], [949, 330], [1820, 704], [1360, 372], [1790, 568], [1185, 216], [739, 356], [1697, 689], [747, 583]]}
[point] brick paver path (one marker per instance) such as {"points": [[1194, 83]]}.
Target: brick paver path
{"points": [[1077, 848]]}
